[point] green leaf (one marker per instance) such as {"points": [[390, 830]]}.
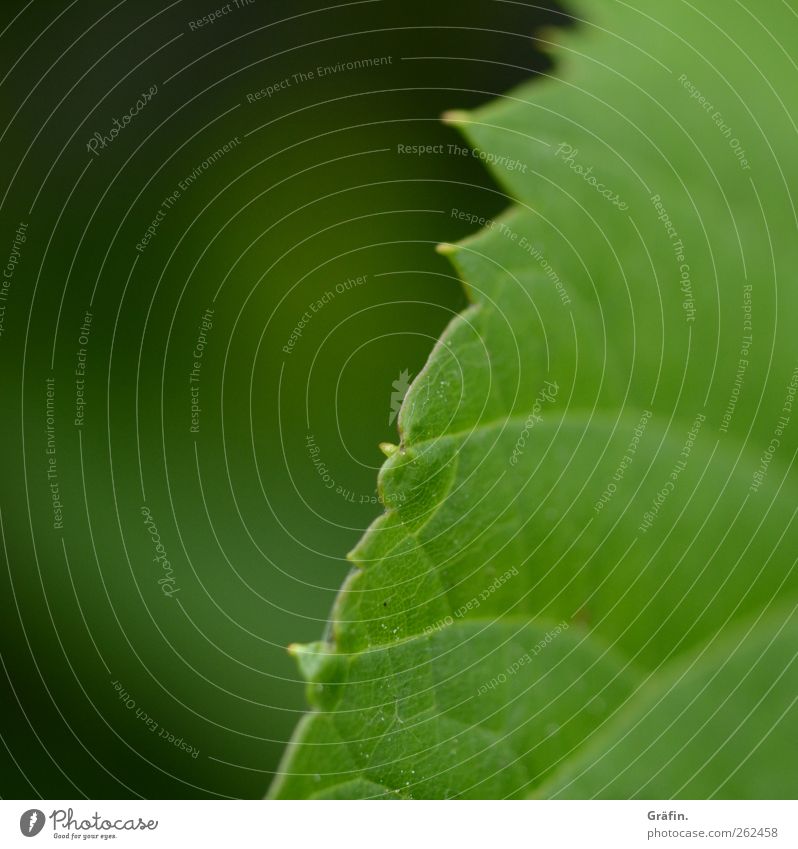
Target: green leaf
{"points": [[734, 703], [585, 580]]}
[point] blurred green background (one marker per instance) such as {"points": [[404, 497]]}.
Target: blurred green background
{"points": [[115, 685]]}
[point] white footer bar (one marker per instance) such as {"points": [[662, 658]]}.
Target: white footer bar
{"points": [[398, 825]]}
